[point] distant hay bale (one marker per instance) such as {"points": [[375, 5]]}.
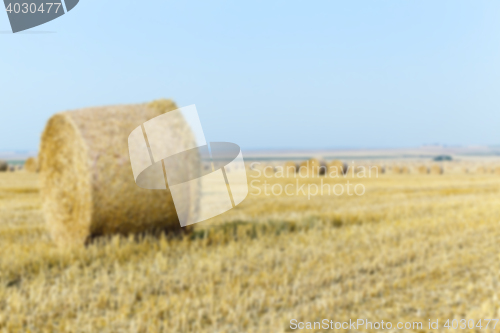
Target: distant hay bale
{"points": [[86, 178], [312, 167], [376, 168], [337, 167], [397, 169], [268, 169], [12, 168], [256, 166], [4, 166], [436, 169], [422, 169], [262, 168], [290, 168], [358, 168], [31, 165], [496, 170], [481, 169]]}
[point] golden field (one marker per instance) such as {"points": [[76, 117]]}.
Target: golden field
{"points": [[412, 248]]}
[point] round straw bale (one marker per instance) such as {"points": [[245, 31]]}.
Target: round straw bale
{"points": [[481, 169], [4, 166], [360, 168], [31, 165], [375, 170], [436, 169], [401, 169], [312, 167], [370, 170], [422, 169], [290, 168], [12, 168], [337, 167], [496, 170], [87, 184]]}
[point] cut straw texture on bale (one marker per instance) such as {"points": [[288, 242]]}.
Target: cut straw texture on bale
{"points": [[87, 184], [31, 165]]}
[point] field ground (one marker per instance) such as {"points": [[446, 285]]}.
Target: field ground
{"points": [[412, 248]]}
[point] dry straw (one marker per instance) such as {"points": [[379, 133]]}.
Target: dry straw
{"points": [[400, 169], [337, 167], [436, 169], [290, 167], [312, 167], [87, 184], [481, 169], [4, 166], [422, 169], [379, 169], [31, 165]]}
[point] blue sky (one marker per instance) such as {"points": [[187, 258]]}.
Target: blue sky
{"points": [[268, 74]]}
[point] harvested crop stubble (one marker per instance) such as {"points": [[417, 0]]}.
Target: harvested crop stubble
{"points": [[31, 165], [87, 184]]}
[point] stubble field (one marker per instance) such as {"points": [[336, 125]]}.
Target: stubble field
{"points": [[412, 248]]}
